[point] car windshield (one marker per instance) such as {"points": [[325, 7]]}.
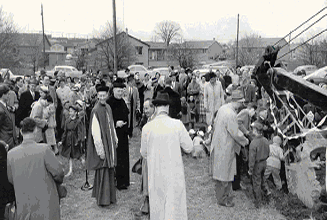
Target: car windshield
{"points": [[138, 68]]}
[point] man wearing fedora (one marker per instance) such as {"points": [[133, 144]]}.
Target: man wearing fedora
{"points": [[227, 141], [161, 143], [174, 97]]}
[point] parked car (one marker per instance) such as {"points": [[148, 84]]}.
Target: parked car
{"points": [[140, 69], [4, 73], [318, 77], [69, 71], [307, 68], [164, 71]]}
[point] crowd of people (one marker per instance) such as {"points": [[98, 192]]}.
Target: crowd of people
{"points": [[92, 118]]}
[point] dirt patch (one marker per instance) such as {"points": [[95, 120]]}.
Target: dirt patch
{"points": [[201, 200]]}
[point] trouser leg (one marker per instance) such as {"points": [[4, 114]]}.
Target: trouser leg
{"points": [[276, 176], [257, 179], [237, 177], [223, 190]]}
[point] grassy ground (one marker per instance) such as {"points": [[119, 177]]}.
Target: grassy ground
{"points": [[201, 200]]}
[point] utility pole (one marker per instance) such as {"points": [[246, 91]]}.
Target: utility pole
{"points": [[114, 36], [238, 21], [43, 37]]}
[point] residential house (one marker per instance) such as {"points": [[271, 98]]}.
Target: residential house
{"points": [[30, 51], [130, 51], [203, 51], [61, 47]]}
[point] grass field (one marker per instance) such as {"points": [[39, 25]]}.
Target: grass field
{"points": [[201, 200]]}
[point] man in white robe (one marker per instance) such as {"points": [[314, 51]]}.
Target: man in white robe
{"points": [[226, 142], [161, 142]]}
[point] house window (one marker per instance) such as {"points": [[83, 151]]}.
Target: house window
{"points": [[139, 50]]}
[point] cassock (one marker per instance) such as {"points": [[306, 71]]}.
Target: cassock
{"points": [[102, 138], [120, 113], [161, 142]]}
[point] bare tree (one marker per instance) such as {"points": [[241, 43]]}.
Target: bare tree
{"points": [[125, 51], [167, 31], [250, 49], [183, 53], [313, 53], [8, 41], [32, 57]]}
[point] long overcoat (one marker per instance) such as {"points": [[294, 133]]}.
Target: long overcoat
{"points": [[34, 171], [161, 142], [226, 141], [213, 99]]}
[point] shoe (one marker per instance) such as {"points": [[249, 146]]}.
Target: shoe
{"points": [[227, 204], [122, 187], [140, 214]]}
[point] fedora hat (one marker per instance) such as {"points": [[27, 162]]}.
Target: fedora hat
{"points": [[237, 96], [161, 99]]}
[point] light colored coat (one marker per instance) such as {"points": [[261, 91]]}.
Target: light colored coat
{"points": [[37, 114], [161, 142], [34, 171], [226, 141], [213, 99]]}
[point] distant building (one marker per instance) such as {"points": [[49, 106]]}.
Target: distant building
{"points": [[204, 52], [130, 51], [30, 51]]}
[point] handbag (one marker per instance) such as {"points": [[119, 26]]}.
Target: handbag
{"points": [[62, 191], [137, 167]]}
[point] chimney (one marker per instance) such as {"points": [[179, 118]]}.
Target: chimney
{"points": [[127, 31], [214, 39]]}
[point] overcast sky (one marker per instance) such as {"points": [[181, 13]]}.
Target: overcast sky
{"points": [[205, 19]]}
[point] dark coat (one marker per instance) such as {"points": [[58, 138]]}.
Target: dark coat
{"points": [[6, 127], [175, 102], [24, 106], [120, 113], [7, 193]]}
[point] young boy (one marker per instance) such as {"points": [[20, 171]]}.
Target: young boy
{"points": [[274, 162], [258, 154]]}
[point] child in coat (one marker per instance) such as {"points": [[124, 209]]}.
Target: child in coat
{"points": [[258, 154], [276, 155], [198, 144], [71, 140]]}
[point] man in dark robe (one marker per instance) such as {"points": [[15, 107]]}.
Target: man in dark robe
{"points": [[120, 115], [101, 149]]}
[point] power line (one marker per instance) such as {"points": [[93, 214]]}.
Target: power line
{"points": [[300, 25], [302, 44]]}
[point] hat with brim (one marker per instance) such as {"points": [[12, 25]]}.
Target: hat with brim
{"points": [[237, 96], [119, 83], [211, 75], [102, 88], [161, 99]]}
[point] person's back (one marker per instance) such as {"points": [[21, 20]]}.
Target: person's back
{"points": [[34, 172], [162, 139]]}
